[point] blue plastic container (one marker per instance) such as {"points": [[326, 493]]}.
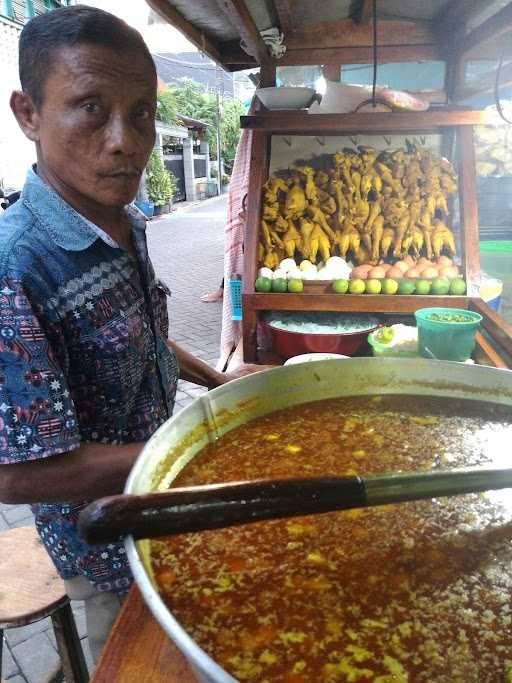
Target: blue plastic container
{"points": [[446, 340], [147, 208], [235, 291]]}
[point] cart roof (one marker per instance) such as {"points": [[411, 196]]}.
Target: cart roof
{"points": [[340, 31]]}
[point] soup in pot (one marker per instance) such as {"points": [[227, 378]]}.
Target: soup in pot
{"points": [[417, 592]]}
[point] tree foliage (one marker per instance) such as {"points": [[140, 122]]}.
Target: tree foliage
{"points": [[190, 100], [166, 111]]}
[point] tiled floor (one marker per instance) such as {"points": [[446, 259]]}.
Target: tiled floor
{"points": [[187, 252]]}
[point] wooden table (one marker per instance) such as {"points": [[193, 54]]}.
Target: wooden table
{"points": [[138, 650]]}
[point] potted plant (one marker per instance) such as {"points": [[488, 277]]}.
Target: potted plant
{"points": [[160, 183]]}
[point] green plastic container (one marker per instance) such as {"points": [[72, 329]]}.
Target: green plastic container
{"points": [[446, 340]]}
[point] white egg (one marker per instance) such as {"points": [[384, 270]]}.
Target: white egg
{"points": [[340, 272], [324, 274], [309, 274], [265, 272], [287, 264], [295, 274], [335, 262], [279, 273], [305, 265]]}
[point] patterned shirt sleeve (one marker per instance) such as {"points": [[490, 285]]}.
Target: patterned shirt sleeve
{"points": [[37, 415]]}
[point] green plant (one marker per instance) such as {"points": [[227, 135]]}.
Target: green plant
{"points": [[192, 101], [166, 110], [160, 183]]}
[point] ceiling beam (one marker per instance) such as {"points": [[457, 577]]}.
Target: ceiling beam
{"points": [[360, 55], [242, 20], [346, 32], [491, 29], [284, 15], [364, 15], [487, 81], [197, 37]]}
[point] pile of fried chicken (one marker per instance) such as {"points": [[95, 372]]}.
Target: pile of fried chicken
{"points": [[362, 204]]}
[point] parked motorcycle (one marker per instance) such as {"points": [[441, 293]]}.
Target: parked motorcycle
{"points": [[8, 198]]}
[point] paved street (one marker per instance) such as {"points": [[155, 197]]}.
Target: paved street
{"points": [[187, 252]]}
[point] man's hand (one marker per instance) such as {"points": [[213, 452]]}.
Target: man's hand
{"points": [[245, 369]]}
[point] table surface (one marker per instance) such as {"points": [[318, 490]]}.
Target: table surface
{"points": [[139, 650]]}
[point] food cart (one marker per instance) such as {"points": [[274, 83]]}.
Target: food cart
{"points": [[335, 37], [331, 35]]}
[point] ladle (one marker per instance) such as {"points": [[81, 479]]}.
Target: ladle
{"points": [[197, 508]]}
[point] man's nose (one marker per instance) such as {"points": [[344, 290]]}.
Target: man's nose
{"points": [[121, 135]]}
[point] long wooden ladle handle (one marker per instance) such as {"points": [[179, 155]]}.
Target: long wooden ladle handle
{"points": [[197, 508]]}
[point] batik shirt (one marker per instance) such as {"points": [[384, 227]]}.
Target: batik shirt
{"points": [[83, 355]]}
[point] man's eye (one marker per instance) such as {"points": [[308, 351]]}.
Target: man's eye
{"points": [[143, 113], [91, 108]]}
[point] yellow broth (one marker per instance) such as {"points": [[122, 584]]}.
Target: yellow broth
{"points": [[416, 592]]}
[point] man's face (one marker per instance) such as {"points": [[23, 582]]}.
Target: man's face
{"points": [[96, 125]]}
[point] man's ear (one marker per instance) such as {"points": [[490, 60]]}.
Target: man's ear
{"points": [[26, 114]]}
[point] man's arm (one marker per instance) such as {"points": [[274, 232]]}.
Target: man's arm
{"points": [[197, 371], [91, 471]]}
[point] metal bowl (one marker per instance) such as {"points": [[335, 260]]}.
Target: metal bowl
{"points": [[233, 404]]}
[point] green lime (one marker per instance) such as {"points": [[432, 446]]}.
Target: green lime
{"points": [[389, 286], [422, 287], [458, 286], [263, 284], [440, 286], [340, 286], [279, 285], [356, 286], [373, 286], [406, 286], [385, 335], [295, 285]]}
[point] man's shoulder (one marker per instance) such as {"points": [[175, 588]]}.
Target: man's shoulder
{"points": [[20, 238]]}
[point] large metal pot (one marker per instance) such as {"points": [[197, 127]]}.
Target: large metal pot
{"points": [[219, 411]]}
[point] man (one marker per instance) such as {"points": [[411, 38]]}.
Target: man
{"points": [[86, 371]]}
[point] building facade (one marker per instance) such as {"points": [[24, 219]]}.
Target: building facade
{"points": [[16, 152]]}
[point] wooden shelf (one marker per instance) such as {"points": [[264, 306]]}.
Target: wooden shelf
{"points": [[302, 123], [354, 303]]}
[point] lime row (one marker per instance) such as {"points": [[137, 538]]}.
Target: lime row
{"points": [[357, 286], [389, 286], [423, 287], [440, 286], [295, 286], [340, 286], [458, 287], [406, 286], [263, 284], [279, 285], [373, 286]]}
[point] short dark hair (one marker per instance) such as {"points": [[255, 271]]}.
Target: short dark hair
{"points": [[44, 35]]}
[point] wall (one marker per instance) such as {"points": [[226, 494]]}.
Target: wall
{"points": [[16, 152]]}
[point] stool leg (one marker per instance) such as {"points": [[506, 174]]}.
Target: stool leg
{"points": [[1, 647], [68, 643]]}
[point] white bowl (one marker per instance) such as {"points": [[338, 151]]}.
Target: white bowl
{"points": [[308, 357], [285, 97]]}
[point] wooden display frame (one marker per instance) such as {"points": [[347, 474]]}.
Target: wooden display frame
{"points": [[445, 121]]}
